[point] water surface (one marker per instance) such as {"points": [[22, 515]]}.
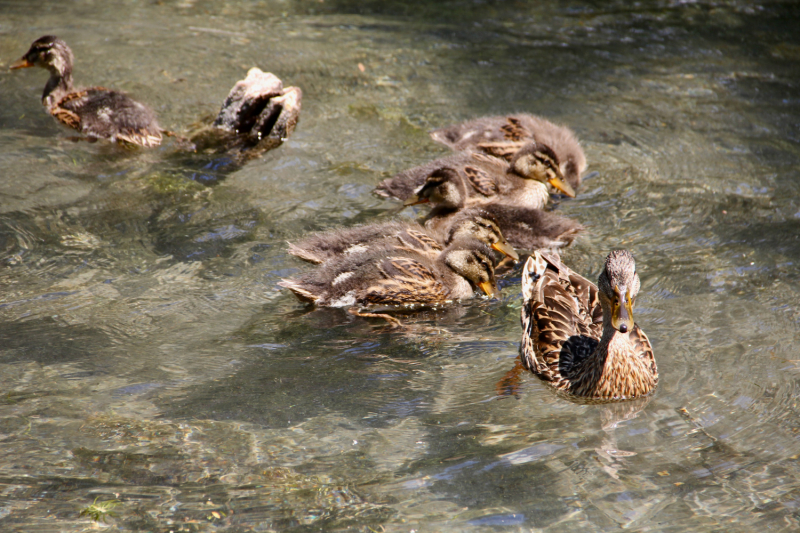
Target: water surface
{"points": [[148, 355]]}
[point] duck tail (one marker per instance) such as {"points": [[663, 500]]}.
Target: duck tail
{"points": [[303, 294]]}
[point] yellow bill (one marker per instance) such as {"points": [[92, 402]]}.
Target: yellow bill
{"points": [[622, 311]]}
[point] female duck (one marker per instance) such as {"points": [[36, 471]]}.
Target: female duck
{"points": [[581, 338], [96, 112]]}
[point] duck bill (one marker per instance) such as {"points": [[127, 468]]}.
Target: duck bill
{"points": [[506, 249], [562, 185], [622, 316], [22, 63], [489, 288], [414, 200]]}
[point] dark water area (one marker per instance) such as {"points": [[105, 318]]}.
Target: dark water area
{"points": [[148, 355]]}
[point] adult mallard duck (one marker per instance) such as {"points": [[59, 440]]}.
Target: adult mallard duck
{"points": [[402, 235], [524, 227], [386, 276], [522, 181], [96, 112], [504, 136], [581, 338]]}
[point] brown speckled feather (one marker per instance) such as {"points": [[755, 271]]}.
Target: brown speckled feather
{"points": [[66, 117], [419, 241], [502, 149], [480, 181], [402, 275], [410, 236]]}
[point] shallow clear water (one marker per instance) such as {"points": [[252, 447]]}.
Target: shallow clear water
{"points": [[146, 353]]}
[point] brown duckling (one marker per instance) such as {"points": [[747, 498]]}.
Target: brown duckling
{"points": [[258, 114], [387, 276], [521, 181], [403, 235], [96, 112], [581, 338], [504, 136], [525, 228]]}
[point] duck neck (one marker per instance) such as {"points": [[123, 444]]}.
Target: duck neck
{"points": [[59, 84], [611, 339], [533, 193], [615, 370]]}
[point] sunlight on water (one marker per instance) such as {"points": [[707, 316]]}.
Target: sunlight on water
{"points": [[149, 356]]}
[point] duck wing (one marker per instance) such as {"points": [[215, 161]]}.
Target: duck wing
{"points": [[480, 180], [321, 247], [481, 130], [501, 136], [405, 281], [558, 319]]}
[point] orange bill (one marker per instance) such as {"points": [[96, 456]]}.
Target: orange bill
{"points": [[506, 249], [22, 63], [414, 200], [489, 288]]}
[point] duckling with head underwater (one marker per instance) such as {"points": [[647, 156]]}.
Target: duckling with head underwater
{"points": [[387, 277], [96, 112], [581, 338]]}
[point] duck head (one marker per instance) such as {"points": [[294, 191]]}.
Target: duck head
{"points": [[539, 162], [480, 225], [472, 260], [443, 187], [618, 286], [48, 52]]}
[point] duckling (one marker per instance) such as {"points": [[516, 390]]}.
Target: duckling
{"points": [[96, 112], [503, 136], [522, 181], [403, 235], [258, 114], [581, 338], [388, 276], [525, 228]]}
